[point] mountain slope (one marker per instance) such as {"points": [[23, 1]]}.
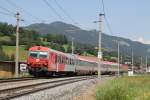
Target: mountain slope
{"points": [[91, 37]]}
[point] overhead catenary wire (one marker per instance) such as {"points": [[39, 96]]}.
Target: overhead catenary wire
{"points": [[69, 16], [65, 12], [108, 25], [7, 14], [6, 10], [49, 5], [105, 17], [53, 9], [103, 7], [25, 11], [109, 28]]}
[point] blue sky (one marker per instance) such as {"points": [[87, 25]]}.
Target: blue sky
{"points": [[127, 18]]}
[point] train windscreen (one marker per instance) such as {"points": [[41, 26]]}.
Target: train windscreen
{"points": [[38, 54], [43, 54], [33, 54]]}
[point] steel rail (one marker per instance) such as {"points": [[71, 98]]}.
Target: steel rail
{"points": [[13, 92], [16, 79]]}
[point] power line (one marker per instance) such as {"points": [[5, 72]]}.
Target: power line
{"points": [[53, 9], [65, 12], [106, 19], [108, 25], [28, 13], [68, 15], [103, 7], [7, 10], [8, 14]]}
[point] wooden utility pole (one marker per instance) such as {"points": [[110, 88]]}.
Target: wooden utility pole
{"points": [[17, 45]]}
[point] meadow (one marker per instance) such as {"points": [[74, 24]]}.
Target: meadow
{"points": [[125, 88], [10, 50]]}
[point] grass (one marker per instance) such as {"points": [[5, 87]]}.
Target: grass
{"points": [[5, 38], [10, 50], [125, 88]]}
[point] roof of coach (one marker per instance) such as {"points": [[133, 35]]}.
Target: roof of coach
{"points": [[95, 59], [58, 52], [42, 48], [85, 58], [65, 54], [39, 48]]}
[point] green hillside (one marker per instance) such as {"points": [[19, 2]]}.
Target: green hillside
{"points": [[10, 50], [90, 37]]}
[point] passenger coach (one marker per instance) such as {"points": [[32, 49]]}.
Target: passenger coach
{"points": [[46, 61]]}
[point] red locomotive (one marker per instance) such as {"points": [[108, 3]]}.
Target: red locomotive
{"points": [[45, 61]]}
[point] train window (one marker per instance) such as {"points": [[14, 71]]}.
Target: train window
{"points": [[59, 58], [43, 54], [80, 63], [62, 59], [73, 62], [70, 61], [66, 60], [56, 59], [33, 54]]}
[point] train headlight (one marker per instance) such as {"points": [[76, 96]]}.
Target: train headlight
{"points": [[37, 60]]}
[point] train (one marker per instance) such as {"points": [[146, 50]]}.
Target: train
{"points": [[44, 61]]}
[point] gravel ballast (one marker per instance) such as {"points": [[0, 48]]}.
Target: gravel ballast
{"points": [[65, 92]]}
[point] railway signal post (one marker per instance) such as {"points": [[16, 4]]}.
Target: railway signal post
{"points": [[99, 45], [17, 44]]}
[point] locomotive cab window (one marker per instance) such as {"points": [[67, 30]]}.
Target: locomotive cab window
{"points": [[33, 54], [43, 54]]}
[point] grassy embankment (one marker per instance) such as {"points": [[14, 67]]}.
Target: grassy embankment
{"points": [[125, 88], [10, 50]]}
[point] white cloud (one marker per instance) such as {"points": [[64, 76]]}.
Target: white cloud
{"points": [[142, 40], [124, 43]]}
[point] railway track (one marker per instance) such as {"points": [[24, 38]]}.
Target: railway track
{"points": [[14, 92], [28, 78], [16, 79]]}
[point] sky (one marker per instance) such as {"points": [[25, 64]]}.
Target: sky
{"points": [[127, 18]]}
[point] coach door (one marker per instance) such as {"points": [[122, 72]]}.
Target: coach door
{"points": [[52, 61], [58, 62]]}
